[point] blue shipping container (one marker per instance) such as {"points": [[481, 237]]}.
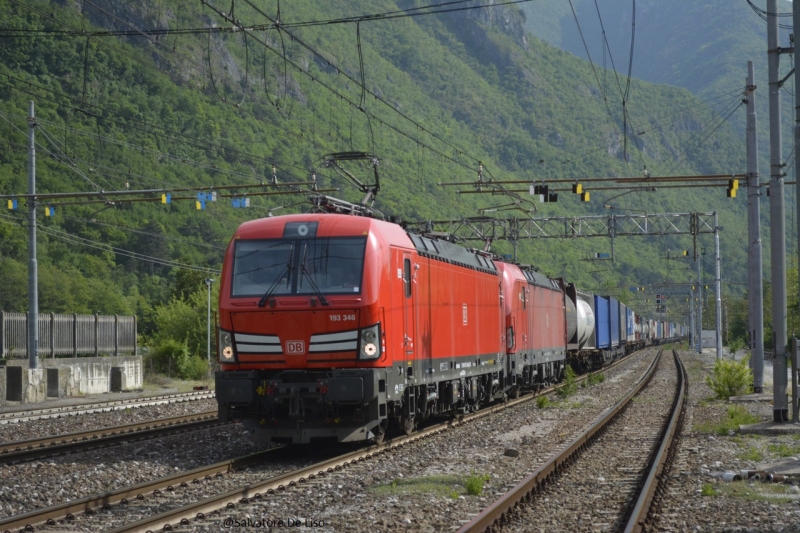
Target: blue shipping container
{"points": [[602, 323], [629, 323], [614, 312]]}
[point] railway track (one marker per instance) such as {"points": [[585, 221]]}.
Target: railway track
{"points": [[177, 500], [12, 417], [608, 477], [94, 438]]}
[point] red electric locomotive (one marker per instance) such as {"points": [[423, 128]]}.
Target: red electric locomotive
{"points": [[335, 326], [536, 314]]}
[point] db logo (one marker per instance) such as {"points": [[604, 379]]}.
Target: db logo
{"points": [[295, 347]]}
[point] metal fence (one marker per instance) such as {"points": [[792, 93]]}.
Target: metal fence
{"points": [[70, 335]]}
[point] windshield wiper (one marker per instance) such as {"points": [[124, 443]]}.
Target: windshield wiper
{"points": [[314, 286], [304, 271], [287, 269]]}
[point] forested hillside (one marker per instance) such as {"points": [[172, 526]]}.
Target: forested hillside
{"points": [[443, 95], [701, 46]]}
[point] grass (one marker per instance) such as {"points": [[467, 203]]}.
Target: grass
{"points": [[442, 485], [771, 492], [784, 450], [751, 453], [445, 486], [736, 416], [708, 490]]}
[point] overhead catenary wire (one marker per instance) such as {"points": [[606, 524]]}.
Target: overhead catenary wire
{"points": [[371, 93], [764, 14], [189, 141], [148, 34], [597, 78], [372, 116], [169, 73], [183, 240], [74, 239], [717, 122]]}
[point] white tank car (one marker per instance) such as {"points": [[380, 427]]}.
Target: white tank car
{"points": [[585, 322]]}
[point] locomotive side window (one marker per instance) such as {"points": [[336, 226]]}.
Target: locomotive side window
{"points": [[294, 266], [407, 276]]}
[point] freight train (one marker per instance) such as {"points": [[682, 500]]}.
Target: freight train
{"points": [[338, 327]]}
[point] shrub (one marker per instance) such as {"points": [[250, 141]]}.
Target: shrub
{"points": [[569, 386], [196, 368], [596, 378], [731, 378], [173, 358], [474, 484], [542, 402], [735, 345]]}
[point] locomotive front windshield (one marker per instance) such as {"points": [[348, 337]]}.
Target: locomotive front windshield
{"points": [[298, 266]]}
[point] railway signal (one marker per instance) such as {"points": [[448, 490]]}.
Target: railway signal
{"points": [[733, 186]]}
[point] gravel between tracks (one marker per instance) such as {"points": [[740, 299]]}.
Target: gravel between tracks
{"points": [[30, 485], [422, 487], [35, 484], [733, 507], [33, 429], [598, 489]]}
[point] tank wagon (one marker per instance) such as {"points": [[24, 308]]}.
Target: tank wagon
{"points": [[336, 327]]}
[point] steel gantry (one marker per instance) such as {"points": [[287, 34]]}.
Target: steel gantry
{"points": [[487, 230]]}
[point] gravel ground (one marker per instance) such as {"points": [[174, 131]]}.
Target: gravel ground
{"points": [[73, 423], [696, 500], [597, 490], [35, 484], [423, 487]]}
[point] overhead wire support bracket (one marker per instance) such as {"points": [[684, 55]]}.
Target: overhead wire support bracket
{"points": [[129, 192], [786, 78]]}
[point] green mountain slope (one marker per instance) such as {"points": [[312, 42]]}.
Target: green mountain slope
{"points": [[445, 95], [701, 46]]}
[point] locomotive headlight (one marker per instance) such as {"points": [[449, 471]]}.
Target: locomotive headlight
{"points": [[226, 347], [370, 343]]}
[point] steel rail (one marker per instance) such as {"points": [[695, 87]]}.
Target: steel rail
{"points": [[70, 442], [10, 417], [89, 503], [653, 483], [278, 483], [525, 490], [198, 510]]}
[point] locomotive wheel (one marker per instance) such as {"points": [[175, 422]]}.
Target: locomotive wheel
{"points": [[514, 392], [408, 424]]}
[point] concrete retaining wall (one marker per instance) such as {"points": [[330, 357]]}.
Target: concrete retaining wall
{"points": [[93, 374], [69, 377]]}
